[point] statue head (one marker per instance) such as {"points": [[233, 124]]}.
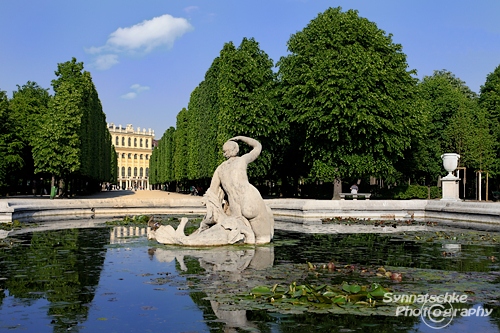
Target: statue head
{"points": [[230, 149]]}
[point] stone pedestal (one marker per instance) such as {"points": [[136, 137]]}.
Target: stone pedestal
{"points": [[450, 188]]}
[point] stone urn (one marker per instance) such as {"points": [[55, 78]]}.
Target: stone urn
{"points": [[450, 162]]}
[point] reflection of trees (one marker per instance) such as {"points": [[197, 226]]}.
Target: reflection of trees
{"points": [[230, 271], [61, 266], [311, 322], [495, 315], [380, 249]]}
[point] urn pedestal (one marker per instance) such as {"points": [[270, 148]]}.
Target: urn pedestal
{"points": [[450, 182]]}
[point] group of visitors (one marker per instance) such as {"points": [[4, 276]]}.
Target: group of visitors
{"points": [[195, 190]]}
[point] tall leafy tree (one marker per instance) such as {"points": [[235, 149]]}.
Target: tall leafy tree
{"points": [[453, 122], [195, 124], [27, 106], [237, 97], [113, 164], [168, 155], [468, 134], [248, 103], [180, 157], [153, 166], [10, 143], [56, 147], [441, 96], [348, 90], [489, 100], [73, 139], [162, 159], [204, 154]]}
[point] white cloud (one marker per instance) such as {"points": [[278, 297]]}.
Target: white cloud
{"points": [[191, 9], [140, 38], [105, 61], [130, 95], [137, 89]]}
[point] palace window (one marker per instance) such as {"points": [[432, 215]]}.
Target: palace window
{"points": [[123, 171], [147, 156], [129, 171], [140, 157], [147, 143], [130, 142], [135, 142], [135, 156], [123, 156], [129, 156], [116, 140], [140, 172], [135, 172], [140, 143], [123, 141], [147, 172]]}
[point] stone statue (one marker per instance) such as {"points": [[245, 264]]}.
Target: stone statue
{"points": [[236, 211]]}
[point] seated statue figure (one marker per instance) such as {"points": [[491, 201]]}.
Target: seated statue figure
{"points": [[236, 211]]}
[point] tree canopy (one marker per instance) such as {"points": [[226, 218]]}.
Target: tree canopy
{"points": [[237, 97], [347, 87], [10, 143], [452, 122], [489, 101], [72, 137]]}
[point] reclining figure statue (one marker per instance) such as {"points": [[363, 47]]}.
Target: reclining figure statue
{"points": [[236, 211]]}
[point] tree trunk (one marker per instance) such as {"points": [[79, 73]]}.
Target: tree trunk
{"points": [[337, 188]]}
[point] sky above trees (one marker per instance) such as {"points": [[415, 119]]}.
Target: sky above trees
{"points": [[146, 57]]}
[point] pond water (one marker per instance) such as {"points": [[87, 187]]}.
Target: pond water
{"points": [[112, 279]]}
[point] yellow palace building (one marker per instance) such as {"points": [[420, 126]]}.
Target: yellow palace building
{"points": [[133, 148]]}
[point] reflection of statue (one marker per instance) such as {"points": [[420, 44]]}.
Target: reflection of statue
{"points": [[244, 217], [223, 264]]}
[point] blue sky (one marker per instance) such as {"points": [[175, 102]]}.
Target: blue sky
{"points": [[147, 56]]}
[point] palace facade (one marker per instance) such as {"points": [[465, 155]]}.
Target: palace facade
{"points": [[133, 148]]}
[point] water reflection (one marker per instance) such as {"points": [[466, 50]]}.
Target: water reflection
{"points": [[123, 234], [115, 280], [226, 260], [58, 269]]}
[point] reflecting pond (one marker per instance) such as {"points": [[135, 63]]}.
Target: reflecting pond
{"points": [[112, 279]]}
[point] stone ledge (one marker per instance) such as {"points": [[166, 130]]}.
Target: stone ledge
{"points": [[5, 212], [302, 211]]}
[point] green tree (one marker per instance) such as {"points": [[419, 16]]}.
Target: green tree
{"points": [[10, 144], [441, 96], [153, 166], [194, 158], [73, 140], [468, 134], [161, 163], [180, 157], [348, 90], [489, 100], [27, 106], [203, 153], [453, 122], [56, 147], [113, 165], [168, 155], [248, 103]]}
